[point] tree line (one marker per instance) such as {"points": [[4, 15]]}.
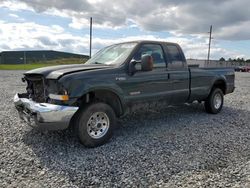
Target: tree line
{"points": [[235, 59]]}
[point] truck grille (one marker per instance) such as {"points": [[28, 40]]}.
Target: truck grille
{"points": [[36, 88]]}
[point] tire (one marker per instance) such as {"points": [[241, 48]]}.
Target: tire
{"points": [[214, 102], [95, 124]]}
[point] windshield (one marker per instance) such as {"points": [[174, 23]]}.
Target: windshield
{"points": [[112, 55]]}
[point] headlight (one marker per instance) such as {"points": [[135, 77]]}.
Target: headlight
{"points": [[56, 91]]}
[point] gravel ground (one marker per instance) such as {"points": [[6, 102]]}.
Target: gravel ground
{"points": [[174, 147]]}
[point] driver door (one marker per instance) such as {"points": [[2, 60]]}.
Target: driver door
{"points": [[149, 86]]}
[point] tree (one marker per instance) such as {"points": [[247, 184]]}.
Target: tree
{"points": [[240, 59], [222, 59]]}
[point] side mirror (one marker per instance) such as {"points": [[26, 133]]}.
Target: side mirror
{"points": [[131, 67], [146, 62]]}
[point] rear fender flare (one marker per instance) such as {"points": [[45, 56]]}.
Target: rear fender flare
{"points": [[220, 80]]}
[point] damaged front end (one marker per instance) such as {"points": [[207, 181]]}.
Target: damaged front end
{"points": [[42, 105], [36, 88]]}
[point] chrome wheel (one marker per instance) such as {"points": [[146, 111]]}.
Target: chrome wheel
{"points": [[217, 101], [98, 125]]}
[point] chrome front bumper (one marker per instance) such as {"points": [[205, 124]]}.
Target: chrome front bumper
{"points": [[44, 115]]}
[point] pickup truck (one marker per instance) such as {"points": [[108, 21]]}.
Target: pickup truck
{"points": [[117, 80]]}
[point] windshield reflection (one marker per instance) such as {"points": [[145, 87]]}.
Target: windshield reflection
{"points": [[113, 55]]}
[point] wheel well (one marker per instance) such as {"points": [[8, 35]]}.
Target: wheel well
{"points": [[105, 96], [220, 84]]}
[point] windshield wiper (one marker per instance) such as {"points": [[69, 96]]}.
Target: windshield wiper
{"points": [[97, 62]]}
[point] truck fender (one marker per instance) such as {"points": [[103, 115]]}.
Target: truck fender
{"points": [[219, 82], [111, 94]]}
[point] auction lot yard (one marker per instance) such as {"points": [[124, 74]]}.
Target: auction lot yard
{"points": [[174, 147]]}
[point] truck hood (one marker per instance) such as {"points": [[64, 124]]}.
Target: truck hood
{"points": [[55, 72]]}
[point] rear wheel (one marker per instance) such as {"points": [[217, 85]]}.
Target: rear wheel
{"points": [[95, 124], [214, 102]]}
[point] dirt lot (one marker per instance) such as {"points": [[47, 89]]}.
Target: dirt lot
{"points": [[174, 147]]}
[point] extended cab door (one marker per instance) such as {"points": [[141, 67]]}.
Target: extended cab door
{"points": [[178, 73], [146, 86]]}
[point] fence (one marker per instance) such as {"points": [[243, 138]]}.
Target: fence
{"points": [[23, 57], [213, 63]]}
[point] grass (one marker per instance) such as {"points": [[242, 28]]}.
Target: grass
{"points": [[40, 64]]}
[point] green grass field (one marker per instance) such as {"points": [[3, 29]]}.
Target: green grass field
{"points": [[35, 65]]}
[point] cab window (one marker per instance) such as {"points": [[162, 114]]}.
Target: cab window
{"points": [[154, 50], [175, 57]]}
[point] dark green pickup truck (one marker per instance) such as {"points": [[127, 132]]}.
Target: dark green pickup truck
{"points": [[117, 79]]}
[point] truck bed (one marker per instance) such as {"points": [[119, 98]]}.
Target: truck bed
{"points": [[202, 79]]}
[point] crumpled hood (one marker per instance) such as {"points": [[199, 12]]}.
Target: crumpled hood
{"points": [[55, 72]]}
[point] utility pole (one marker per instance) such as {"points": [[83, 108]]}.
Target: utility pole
{"points": [[90, 37], [209, 45], [24, 57]]}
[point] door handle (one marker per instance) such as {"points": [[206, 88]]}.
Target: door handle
{"points": [[175, 81]]}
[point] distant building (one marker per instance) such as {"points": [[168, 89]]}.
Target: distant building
{"points": [[22, 57]]}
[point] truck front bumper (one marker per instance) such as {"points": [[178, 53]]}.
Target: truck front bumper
{"points": [[44, 116]]}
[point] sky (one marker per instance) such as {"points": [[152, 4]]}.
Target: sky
{"points": [[63, 25]]}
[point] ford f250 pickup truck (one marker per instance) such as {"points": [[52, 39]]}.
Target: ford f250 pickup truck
{"points": [[116, 80]]}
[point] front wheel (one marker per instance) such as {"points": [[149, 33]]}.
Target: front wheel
{"points": [[214, 102], [95, 124]]}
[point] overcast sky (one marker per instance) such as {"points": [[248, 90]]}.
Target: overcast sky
{"points": [[64, 25]]}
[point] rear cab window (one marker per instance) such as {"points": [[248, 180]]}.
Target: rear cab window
{"points": [[175, 57]]}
